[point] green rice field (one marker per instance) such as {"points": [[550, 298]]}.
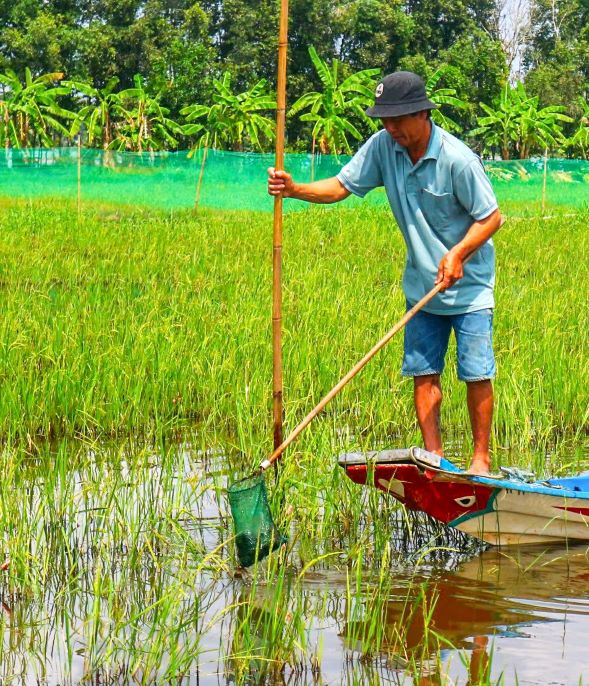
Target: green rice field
{"points": [[135, 384], [119, 323]]}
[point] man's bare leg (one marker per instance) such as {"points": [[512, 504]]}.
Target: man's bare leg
{"points": [[427, 394], [479, 398]]}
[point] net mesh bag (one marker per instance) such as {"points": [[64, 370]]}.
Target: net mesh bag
{"points": [[256, 535]]}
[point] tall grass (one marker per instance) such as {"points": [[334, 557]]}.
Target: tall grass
{"points": [[136, 322], [121, 565]]}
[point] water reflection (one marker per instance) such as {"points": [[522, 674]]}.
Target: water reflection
{"points": [[502, 617], [125, 576], [482, 608]]}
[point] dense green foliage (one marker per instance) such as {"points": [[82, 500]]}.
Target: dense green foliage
{"points": [[164, 57]]}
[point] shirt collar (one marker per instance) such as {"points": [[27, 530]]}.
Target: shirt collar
{"points": [[435, 144]]}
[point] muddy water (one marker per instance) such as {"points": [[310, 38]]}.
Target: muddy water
{"points": [[519, 616], [523, 615], [511, 616]]}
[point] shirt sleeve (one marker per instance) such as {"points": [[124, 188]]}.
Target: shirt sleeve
{"points": [[474, 191], [362, 173]]}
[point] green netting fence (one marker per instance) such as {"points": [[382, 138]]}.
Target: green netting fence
{"points": [[231, 180]]}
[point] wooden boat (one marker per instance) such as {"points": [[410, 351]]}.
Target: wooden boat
{"points": [[501, 510]]}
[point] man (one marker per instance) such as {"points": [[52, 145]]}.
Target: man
{"points": [[447, 212]]}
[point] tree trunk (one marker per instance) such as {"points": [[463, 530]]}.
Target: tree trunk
{"points": [[20, 120], [106, 132], [107, 140]]}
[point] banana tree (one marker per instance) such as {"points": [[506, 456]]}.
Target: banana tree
{"points": [[144, 123], [332, 109], [579, 141], [98, 115], [211, 133], [517, 121], [30, 113], [246, 126], [8, 124], [443, 96], [232, 120]]}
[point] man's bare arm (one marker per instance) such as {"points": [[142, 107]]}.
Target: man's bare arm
{"points": [[451, 266], [325, 191]]}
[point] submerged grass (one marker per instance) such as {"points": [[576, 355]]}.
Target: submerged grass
{"points": [[121, 569]]}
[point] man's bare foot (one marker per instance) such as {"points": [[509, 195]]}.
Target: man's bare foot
{"points": [[480, 466]]}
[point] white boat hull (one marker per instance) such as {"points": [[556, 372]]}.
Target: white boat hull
{"points": [[520, 518]]}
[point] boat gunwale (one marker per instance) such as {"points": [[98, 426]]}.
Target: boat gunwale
{"points": [[415, 457]]}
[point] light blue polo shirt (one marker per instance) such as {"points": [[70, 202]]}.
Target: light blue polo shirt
{"points": [[435, 202]]}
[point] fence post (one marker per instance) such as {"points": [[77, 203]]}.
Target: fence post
{"points": [[79, 175], [544, 180]]}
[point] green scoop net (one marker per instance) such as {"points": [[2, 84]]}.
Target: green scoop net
{"points": [[256, 535]]}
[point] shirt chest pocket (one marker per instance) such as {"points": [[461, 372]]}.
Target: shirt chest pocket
{"points": [[439, 209]]}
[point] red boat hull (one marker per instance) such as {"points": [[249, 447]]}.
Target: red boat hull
{"points": [[419, 490]]}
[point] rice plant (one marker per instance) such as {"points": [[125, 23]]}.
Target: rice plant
{"points": [[135, 376]]}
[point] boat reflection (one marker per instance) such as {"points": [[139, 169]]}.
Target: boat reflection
{"points": [[498, 593]]}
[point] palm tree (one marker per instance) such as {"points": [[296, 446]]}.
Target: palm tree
{"points": [[443, 96], [517, 121], [30, 112], [331, 108]]}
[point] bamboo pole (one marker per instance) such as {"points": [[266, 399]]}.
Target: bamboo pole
{"points": [[544, 180], [200, 175], [277, 237], [79, 174]]}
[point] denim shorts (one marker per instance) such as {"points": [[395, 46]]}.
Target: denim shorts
{"points": [[426, 343]]}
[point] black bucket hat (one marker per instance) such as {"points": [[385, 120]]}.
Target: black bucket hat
{"points": [[400, 93]]}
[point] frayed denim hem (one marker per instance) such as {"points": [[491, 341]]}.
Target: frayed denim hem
{"points": [[426, 373], [477, 378]]}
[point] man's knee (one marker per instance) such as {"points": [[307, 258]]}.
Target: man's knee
{"points": [[479, 386], [427, 390], [426, 380]]}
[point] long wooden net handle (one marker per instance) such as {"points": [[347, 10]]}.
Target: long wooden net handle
{"points": [[350, 375]]}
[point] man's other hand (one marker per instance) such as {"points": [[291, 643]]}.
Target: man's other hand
{"points": [[280, 183], [451, 269]]}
